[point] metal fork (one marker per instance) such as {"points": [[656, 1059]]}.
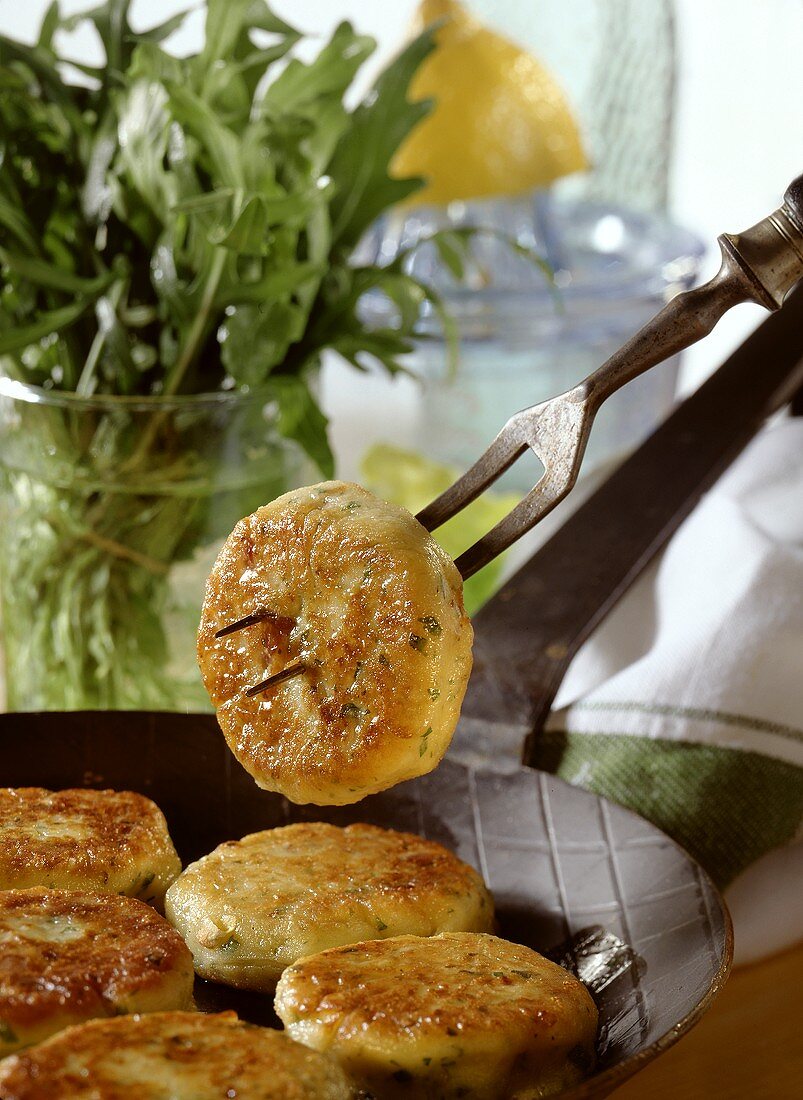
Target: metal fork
{"points": [[760, 265]]}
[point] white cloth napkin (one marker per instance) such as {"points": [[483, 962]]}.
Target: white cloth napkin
{"points": [[687, 703]]}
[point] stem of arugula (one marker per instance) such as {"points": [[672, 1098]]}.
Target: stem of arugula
{"points": [[86, 381], [198, 329], [195, 338]]}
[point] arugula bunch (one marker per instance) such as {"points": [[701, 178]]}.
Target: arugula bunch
{"points": [[177, 225], [173, 226]]}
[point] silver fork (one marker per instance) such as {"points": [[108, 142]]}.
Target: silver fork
{"points": [[760, 265]]}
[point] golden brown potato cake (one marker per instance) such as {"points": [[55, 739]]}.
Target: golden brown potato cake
{"points": [[460, 1014], [112, 842], [363, 597], [253, 906], [67, 956], [172, 1056]]}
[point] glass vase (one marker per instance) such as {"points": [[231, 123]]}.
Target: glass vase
{"points": [[112, 510]]}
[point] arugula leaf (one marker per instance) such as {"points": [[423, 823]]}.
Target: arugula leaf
{"points": [[15, 222], [301, 419], [177, 225], [11, 339], [50, 24], [255, 339], [228, 27], [454, 249], [379, 125], [220, 204], [287, 279], [119, 40], [48, 275], [302, 85], [219, 148]]}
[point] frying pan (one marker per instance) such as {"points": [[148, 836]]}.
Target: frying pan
{"points": [[573, 875], [559, 861]]}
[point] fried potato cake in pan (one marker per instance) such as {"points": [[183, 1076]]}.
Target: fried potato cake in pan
{"points": [[363, 598], [175, 1055], [253, 906], [112, 842], [456, 1015], [67, 956]]}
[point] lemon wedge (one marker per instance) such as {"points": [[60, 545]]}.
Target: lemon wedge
{"points": [[501, 124]]}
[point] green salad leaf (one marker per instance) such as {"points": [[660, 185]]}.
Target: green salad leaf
{"points": [[378, 127], [221, 197], [170, 226]]}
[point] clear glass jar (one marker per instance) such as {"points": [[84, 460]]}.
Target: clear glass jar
{"points": [[112, 510], [523, 339]]}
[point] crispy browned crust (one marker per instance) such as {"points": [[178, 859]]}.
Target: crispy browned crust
{"points": [[471, 983], [389, 863], [140, 1057], [330, 865], [456, 1015], [108, 841], [253, 906], [365, 597], [103, 953], [461, 1014]]}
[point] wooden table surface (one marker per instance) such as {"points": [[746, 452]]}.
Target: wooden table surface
{"points": [[749, 1046]]}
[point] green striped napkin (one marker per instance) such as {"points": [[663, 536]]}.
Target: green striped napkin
{"points": [[687, 704]]}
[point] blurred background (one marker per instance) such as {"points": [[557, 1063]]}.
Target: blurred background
{"points": [[734, 132], [703, 100], [625, 136]]}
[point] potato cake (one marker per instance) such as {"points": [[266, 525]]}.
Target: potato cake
{"points": [[112, 842], [67, 956], [253, 906], [362, 597], [180, 1055], [460, 1014]]}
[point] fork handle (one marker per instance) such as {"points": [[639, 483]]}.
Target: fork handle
{"points": [[793, 201], [526, 636], [761, 265]]}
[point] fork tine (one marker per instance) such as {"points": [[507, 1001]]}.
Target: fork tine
{"points": [[492, 463], [556, 431], [546, 494]]}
